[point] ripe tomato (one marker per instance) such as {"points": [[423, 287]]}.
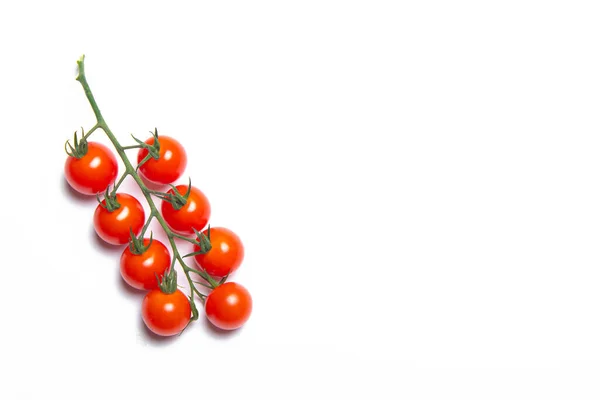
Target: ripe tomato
{"points": [[226, 253], [113, 227], [228, 306], [166, 314], [170, 164], [92, 173], [140, 270], [194, 214]]}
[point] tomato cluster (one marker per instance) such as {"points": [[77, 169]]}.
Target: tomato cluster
{"points": [[146, 263]]}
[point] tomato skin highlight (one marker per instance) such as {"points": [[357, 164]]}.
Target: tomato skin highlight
{"points": [[166, 314], [228, 306], [225, 255], [113, 227], [92, 173], [193, 215], [140, 270], [170, 164]]}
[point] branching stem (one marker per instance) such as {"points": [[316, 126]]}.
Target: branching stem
{"points": [[130, 170]]}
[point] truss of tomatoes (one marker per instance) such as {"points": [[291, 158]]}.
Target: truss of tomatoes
{"points": [[146, 263]]}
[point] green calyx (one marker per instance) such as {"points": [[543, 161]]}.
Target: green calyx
{"points": [[153, 149], [110, 202], [136, 245], [203, 242], [176, 199], [79, 147], [168, 285]]}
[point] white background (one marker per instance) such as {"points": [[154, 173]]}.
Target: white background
{"points": [[416, 184]]}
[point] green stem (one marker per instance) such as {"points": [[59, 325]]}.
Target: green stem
{"points": [[91, 131], [132, 147], [114, 191], [132, 171], [202, 284], [187, 239], [206, 277], [88, 92], [147, 224], [159, 194]]}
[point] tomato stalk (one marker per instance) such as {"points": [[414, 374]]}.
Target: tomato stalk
{"points": [[135, 146], [130, 170], [146, 225], [121, 179], [91, 131]]}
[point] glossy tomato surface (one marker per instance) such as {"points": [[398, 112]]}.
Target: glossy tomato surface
{"points": [[166, 314], [92, 173], [228, 306], [113, 227], [193, 215], [141, 270], [226, 253], [170, 164]]}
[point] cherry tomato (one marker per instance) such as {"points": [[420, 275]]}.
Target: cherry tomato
{"points": [[226, 253], [194, 214], [113, 227], [140, 270], [228, 306], [170, 164], [166, 314], [92, 173]]}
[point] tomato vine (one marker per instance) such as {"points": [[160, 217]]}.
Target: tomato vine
{"points": [[167, 284]]}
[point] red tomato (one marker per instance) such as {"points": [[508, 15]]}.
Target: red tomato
{"points": [[166, 314], [228, 306], [226, 253], [170, 164], [194, 214], [140, 270], [92, 173], [113, 227]]}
